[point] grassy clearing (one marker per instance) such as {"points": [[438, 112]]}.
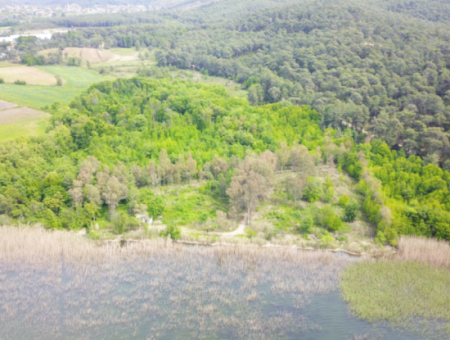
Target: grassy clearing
{"points": [[21, 121], [123, 51], [197, 210], [76, 77], [32, 75], [280, 219], [93, 55], [37, 97], [33, 128], [187, 206], [5, 105], [6, 63], [233, 89], [20, 115], [123, 65]]}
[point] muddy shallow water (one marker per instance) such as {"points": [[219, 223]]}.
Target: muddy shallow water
{"points": [[188, 294]]}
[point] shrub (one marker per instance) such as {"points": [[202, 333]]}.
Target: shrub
{"points": [[343, 200], [306, 224], [326, 240], [350, 211], [329, 195], [174, 232], [2, 81], [58, 81], [313, 190], [122, 222], [20, 82], [329, 219]]}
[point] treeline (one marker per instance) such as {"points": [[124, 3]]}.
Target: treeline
{"points": [[107, 20]]}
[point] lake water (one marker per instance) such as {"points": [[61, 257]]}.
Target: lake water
{"points": [[193, 294], [46, 35]]}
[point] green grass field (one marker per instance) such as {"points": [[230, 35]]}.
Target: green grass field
{"points": [[77, 80], [33, 128], [123, 51], [76, 77]]}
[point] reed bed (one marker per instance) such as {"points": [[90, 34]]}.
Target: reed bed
{"points": [[36, 245], [424, 250], [58, 285]]}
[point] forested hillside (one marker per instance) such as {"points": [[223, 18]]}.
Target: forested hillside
{"points": [[377, 72], [380, 68], [103, 156], [121, 139]]}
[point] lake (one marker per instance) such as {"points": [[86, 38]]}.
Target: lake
{"points": [[184, 293]]}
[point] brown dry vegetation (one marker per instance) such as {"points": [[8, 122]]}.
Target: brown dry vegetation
{"points": [[37, 244], [107, 289], [92, 55], [32, 75], [424, 250]]}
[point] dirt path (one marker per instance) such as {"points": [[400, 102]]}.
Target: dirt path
{"points": [[238, 231]]}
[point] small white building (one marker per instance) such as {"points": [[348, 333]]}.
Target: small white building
{"points": [[145, 219]]}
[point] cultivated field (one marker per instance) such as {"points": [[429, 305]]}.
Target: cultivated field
{"points": [[32, 75], [76, 81], [20, 121], [19, 115], [5, 105], [93, 55]]}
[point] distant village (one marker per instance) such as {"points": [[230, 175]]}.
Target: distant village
{"points": [[70, 9]]}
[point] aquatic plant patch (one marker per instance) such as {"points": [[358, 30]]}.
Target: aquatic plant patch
{"points": [[399, 292]]}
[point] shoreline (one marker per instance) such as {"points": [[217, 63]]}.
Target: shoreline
{"points": [[268, 245]]}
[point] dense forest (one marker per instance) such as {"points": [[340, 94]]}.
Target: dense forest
{"points": [[381, 69], [385, 76]]}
